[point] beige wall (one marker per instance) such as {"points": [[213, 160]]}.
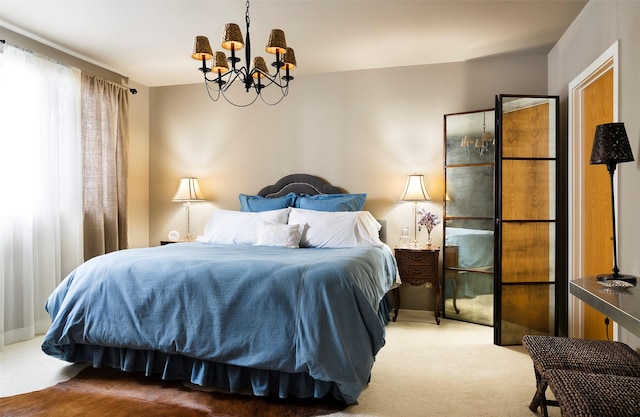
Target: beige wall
{"points": [[595, 29], [138, 175], [363, 131]]}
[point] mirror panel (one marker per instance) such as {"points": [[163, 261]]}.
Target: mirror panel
{"points": [[468, 254]]}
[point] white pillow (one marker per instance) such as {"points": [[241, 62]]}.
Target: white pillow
{"points": [[276, 234], [231, 227], [341, 229]]}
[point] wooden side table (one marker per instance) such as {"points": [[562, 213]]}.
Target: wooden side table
{"points": [[418, 266]]}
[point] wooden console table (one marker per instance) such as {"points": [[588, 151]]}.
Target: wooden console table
{"points": [[620, 305]]}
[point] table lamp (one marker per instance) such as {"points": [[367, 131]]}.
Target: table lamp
{"points": [[188, 192], [415, 191], [610, 147]]}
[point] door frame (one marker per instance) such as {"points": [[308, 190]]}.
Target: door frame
{"points": [[605, 62]]}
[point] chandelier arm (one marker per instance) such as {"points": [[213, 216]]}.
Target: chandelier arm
{"points": [[273, 79], [240, 74], [228, 79], [219, 77]]}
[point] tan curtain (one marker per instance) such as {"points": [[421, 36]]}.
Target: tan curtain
{"points": [[105, 138]]}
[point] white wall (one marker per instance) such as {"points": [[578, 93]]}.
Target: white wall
{"points": [[595, 29], [363, 131]]}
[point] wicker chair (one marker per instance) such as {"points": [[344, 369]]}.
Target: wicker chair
{"points": [[588, 394], [562, 353]]}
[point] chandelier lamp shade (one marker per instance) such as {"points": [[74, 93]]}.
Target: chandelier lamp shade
{"points": [[415, 191], [188, 192], [611, 147], [220, 72]]}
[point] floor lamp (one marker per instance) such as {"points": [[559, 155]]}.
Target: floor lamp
{"points": [[187, 193], [611, 147], [415, 191]]}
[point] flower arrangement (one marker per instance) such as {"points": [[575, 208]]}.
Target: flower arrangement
{"points": [[427, 220]]}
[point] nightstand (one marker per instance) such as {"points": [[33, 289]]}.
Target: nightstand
{"points": [[418, 266]]}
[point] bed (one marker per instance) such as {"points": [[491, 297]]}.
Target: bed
{"points": [[286, 301]]}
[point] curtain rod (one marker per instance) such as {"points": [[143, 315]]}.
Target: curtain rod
{"points": [[131, 90]]}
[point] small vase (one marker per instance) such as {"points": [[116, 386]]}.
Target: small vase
{"points": [[429, 241]]}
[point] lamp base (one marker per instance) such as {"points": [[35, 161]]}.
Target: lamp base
{"points": [[187, 238], [617, 277]]}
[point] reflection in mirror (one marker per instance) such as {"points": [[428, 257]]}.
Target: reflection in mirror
{"points": [[469, 216], [470, 191], [470, 137]]}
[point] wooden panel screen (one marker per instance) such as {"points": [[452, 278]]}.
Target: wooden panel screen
{"points": [[527, 252], [525, 133], [526, 309], [526, 209], [528, 189]]}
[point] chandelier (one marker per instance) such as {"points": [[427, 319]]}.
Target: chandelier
{"points": [[254, 80]]}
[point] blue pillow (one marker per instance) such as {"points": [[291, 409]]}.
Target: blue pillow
{"points": [[256, 203], [331, 202]]}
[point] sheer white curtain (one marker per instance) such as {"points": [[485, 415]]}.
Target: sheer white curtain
{"points": [[40, 184]]}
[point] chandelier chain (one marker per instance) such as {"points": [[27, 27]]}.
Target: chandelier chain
{"points": [[246, 16]]}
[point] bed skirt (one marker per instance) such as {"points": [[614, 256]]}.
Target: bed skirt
{"points": [[232, 378]]}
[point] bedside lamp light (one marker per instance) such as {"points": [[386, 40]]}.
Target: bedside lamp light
{"points": [[415, 191], [187, 193], [610, 147]]}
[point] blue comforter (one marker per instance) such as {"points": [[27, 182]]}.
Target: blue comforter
{"points": [[309, 314]]}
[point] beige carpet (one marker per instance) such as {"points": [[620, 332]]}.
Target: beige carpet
{"points": [[447, 370], [424, 370]]}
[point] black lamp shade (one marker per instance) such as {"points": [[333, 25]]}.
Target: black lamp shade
{"points": [[611, 145]]}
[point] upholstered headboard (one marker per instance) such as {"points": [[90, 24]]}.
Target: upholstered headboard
{"points": [[300, 184], [311, 185]]}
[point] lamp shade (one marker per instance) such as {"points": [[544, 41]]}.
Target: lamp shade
{"points": [[220, 64], [277, 42], [201, 49], [232, 37], [414, 189], [259, 64], [611, 145], [188, 190], [289, 59]]}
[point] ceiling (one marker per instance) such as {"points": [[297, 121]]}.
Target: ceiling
{"points": [[151, 41]]}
